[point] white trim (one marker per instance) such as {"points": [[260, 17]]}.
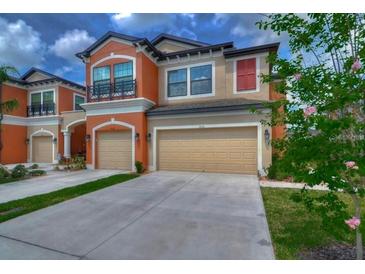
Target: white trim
{"points": [[140, 104], [188, 59], [73, 123], [114, 122], [74, 100], [113, 56], [31, 144], [32, 121], [235, 60], [41, 91], [189, 95], [208, 114], [228, 125]]}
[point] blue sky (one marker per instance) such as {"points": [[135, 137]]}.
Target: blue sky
{"points": [[49, 41]]}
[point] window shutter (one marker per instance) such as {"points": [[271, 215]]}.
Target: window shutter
{"points": [[246, 74]]}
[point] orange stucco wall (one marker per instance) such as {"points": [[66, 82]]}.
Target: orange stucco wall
{"points": [[78, 144], [278, 132], [138, 120], [146, 70], [66, 99], [14, 147], [20, 94]]}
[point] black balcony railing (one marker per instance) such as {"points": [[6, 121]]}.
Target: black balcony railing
{"points": [[111, 91], [41, 109]]}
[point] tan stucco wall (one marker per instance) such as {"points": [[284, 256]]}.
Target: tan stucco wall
{"points": [[225, 119], [72, 116], [167, 46], [53, 129], [37, 77], [223, 81]]}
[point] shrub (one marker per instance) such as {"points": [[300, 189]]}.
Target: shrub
{"points": [[77, 163], [34, 166], [37, 172], [139, 167], [278, 170], [4, 172], [19, 171]]}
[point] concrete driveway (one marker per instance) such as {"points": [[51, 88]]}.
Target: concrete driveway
{"points": [[163, 215]]}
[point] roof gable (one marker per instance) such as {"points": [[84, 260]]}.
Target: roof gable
{"points": [[168, 37], [35, 74]]}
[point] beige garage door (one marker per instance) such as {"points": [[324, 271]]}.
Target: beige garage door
{"points": [[230, 150], [114, 150], [42, 149]]}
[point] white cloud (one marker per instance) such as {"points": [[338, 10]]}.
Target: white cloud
{"points": [[70, 43], [141, 22], [220, 19], [20, 45], [63, 70]]}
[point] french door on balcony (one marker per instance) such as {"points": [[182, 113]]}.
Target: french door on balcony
{"points": [[41, 103]]}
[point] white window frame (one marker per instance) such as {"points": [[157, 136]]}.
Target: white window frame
{"points": [[188, 92], [235, 60], [42, 91], [74, 100], [113, 56]]}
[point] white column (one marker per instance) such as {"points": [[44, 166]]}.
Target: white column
{"points": [[67, 145]]}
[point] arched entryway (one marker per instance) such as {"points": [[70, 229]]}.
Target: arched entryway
{"points": [[74, 138]]}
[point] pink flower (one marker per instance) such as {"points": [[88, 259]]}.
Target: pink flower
{"points": [[297, 76], [353, 223], [350, 164], [356, 65], [308, 111]]}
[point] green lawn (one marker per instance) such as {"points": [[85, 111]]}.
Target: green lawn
{"points": [[19, 207], [293, 228]]}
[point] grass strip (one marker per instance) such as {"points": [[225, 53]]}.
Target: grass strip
{"points": [[12, 209]]}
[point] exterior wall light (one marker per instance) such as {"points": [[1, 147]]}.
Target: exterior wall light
{"points": [[137, 136], [54, 140], [27, 141], [149, 137], [87, 137], [267, 137]]}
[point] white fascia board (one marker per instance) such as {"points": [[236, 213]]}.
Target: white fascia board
{"points": [[118, 106], [32, 121]]}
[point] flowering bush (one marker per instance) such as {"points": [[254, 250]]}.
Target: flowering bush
{"points": [[325, 143]]}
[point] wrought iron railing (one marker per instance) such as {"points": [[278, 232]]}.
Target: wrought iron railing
{"points": [[41, 109], [111, 91]]}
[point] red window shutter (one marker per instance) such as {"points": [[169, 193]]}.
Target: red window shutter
{"points": [[246, 74]]}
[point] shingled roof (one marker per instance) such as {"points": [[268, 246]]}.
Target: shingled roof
{"points": [[207, 106]]}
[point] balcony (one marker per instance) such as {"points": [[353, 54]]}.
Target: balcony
{"points": [[41, 109], [111, 91]]}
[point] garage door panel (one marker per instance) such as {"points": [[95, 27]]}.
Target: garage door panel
{"points": [[42, 149], [114, 150], [231, 150]]}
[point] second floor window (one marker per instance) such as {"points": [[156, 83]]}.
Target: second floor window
{"points": [[123, 77], [177, 83], [201, 80], [78, 101], [42, 98], [101, 78]]}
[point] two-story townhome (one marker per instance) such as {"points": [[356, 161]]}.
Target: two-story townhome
{"points": [[32, 132], [176, 104], [171, 103]]}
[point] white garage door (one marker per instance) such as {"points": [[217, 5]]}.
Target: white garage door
{"points": [[230, 150], [114, 150], [42, 149]]}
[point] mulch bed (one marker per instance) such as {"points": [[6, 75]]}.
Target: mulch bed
{"points": [[336, 251]]}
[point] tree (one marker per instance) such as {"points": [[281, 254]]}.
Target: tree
{"points": [[324, 110], [6, 106]]}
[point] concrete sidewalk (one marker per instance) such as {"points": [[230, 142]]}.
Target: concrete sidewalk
{"points": [[54, 180]]}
